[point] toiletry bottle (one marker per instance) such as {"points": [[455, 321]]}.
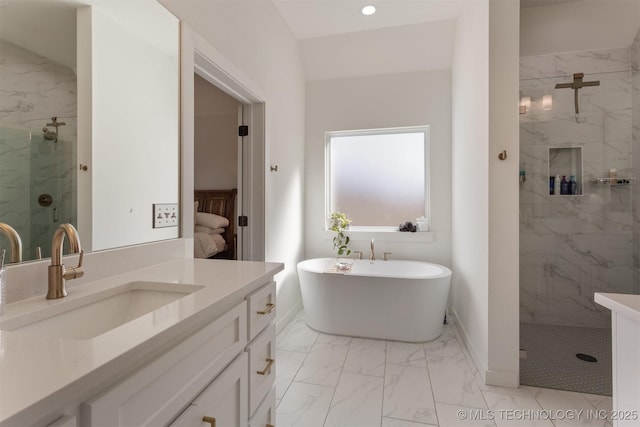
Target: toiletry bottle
{"points": [[564, 185], [551, 184], [556, 185], [573, 185]]}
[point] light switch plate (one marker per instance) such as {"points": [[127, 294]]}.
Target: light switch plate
{"points": [[165, 215]]}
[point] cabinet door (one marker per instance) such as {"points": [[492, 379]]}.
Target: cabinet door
{"points": [[261, 308], [265, 415], [153, 395], [224, 400], [262, 367]]}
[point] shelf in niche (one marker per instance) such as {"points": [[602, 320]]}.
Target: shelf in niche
{"points": [[566, 161], [613, 182]]}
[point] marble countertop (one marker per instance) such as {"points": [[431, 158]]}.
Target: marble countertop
{"points": [[46, 371], [627, 305]]}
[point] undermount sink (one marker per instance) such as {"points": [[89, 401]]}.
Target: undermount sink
{"points": [[94, 314]]}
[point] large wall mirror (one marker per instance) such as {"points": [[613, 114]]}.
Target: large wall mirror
{"points": [[89, 120]]}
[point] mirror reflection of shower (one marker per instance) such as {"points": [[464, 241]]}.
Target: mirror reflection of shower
{"points": [[52, 135], [576, 85]]}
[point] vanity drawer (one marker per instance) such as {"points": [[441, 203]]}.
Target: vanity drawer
{"points": [[261, 306], [223, 402], [265, 415], [262, 368], [154, 394]]}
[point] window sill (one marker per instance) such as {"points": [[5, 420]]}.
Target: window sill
{"points": [[387, 235]]}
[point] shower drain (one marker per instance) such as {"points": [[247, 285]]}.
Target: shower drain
{"points": [[586, 357]]}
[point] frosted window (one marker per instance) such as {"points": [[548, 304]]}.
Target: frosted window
{"points": [[378, 177]]}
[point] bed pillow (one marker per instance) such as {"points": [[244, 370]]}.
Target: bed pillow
{"points": [[211, 220], [205, 229]]}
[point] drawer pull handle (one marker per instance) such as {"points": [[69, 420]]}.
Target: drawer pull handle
{"points": [[268, 310], [210, 420], [267, 368]]}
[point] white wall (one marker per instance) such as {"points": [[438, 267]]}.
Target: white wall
{"points": [[485, 189], [255, 41], [470, 179], [504, 192], [216, 138], [389, 100], [134, 159], [576, 26], [381, 51]]}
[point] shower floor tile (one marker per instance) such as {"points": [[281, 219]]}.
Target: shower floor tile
{"points": [[552, 363]]}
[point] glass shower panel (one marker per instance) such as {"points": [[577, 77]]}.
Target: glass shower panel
{"points": [[53, 180], [38, 179], [15, 167], [572, 247]]}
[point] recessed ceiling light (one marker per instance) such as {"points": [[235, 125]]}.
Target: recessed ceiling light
{"points": [[368, 10]]}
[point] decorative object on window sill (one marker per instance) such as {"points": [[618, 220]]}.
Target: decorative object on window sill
{"points": [[408, 226], [422, 224], [339, 223]]}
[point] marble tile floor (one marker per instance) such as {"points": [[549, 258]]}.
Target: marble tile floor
{"points": [[326, 380]]}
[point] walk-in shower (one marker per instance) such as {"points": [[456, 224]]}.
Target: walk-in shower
{"points": [[573, 244]]}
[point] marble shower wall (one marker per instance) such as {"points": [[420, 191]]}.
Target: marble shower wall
{"points": [[33, 90], [573, 246]]}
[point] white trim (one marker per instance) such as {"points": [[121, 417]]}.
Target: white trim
{"points": [[482, 369], [502, 378], [490, 377], [288, 317], [386, 235], [198, 56]]}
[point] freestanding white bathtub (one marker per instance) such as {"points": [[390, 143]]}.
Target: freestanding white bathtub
{"points": [[393, 300]]}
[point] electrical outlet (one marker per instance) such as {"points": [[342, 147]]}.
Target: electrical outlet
{"points": [[165, 215]]}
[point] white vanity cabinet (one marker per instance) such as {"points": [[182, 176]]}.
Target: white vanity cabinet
{"points": [[223, 403], [223, 372], [262, 355], [157, 393], [208, 355]]}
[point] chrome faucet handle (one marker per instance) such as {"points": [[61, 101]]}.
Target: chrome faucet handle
{"points": [[385, 256], [77, 271], [38, 252], [358, 253]]}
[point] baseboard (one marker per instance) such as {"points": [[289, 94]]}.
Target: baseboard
{"points": [[490, 377], [288, 317], [482, 370], [502, 379]]}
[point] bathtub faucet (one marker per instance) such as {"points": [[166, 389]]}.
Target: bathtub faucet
{"points": [[372, 257]]}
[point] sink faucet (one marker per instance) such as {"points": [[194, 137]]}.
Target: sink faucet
{"points": [[372, 257], [14, 241], [58, 273]]}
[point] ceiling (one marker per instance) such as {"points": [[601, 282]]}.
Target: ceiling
{"points": [[319, 18]]}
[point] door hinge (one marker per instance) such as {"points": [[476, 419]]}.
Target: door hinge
{"points": [[243, 221], [243, 130]]}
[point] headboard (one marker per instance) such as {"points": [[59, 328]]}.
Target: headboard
{"points": [[223, 203]]}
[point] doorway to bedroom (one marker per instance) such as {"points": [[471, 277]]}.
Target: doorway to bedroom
{"points": [[244, 208], [217, 172]]}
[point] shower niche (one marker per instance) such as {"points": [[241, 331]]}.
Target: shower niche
{"points": [[565, 171]]}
